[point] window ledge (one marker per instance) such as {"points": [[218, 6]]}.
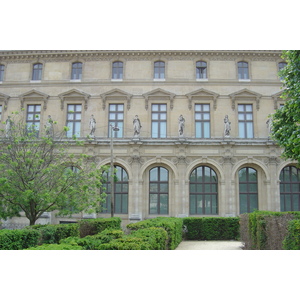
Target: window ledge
{"points": [[75, 80], [35, 81], [202, 79], [244, 80], [117, 79], [159, 79]]}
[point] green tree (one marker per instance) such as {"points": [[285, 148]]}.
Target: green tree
{"points": [[286, 120], [37, 173]]}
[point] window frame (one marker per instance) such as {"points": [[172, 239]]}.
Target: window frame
{"points": [[248, 192], [159, 120], [245, 121], [116, 120], [76, 72], [201, 191], [37, 73], [241, 71], [199, 68], [73, 120], [35, 120], [159, 69], [117, 70], [2, 70], [159, 192], [202, 120]]}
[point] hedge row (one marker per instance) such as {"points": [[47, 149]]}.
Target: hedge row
{"points": [[266, 230], [210, 228], [18, 239], [172, 225], [292, 239]]}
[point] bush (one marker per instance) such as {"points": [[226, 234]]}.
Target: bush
{"points": [[52, 234], [18, 239], [212, 228], [172, 225], [94, 226], [265, 230], [292, 239], [92, 242], [56, 247], [128, 242]]}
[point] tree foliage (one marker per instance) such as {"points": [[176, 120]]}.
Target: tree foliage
{"points": [[286, 121], [37, 174]]}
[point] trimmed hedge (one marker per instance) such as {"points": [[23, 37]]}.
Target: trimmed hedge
{"points": [[152, 238], [18, 239], [211, 228], [292, 239], [265, 230], [172, 225], [95, 226], [56, 247], [52, 234]]}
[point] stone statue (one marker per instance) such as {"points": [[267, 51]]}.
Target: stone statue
{"points": [[49, 126], [270, 125], [227, 126], [92, 126], [8, 127], [136, 126], [181, 123]]}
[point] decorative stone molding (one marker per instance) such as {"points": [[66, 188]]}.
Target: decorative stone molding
{"points": [[116, 94], [5, 99], [180, 160], [245, 95], [202, 94], [34, 95], [159, 94], [135, 159], [76, 95], [276, 97]]}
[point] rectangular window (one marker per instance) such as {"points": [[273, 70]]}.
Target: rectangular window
{"points": [[245, 117], [76, 71], [202, 120], [74, 120], [33, 118], [243, 70], [1, 72], [159, 70], [0, 112], [37, 72], [159, 121], [116, 119], [117, 70]]}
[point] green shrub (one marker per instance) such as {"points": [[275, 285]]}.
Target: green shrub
{"points": [[94, 226], [172, 225], [126, 243], [211, 228], [56, 247], [52, 234], [265, 230], [292, 239], [18, 239], [92, 242]]}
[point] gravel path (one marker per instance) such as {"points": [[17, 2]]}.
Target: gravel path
{"points": [[210, 245]]}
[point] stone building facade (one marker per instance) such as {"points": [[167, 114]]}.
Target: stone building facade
{"points": [[193, 135]]}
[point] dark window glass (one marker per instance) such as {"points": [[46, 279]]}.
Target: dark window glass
{"points": [[203, 191], [37, 72], [116, 119], [201, 70], [248, 191], [0, 112], [245, 119], [243, 70], [120, 191], [159, 120], [33, 118], [159, 70], [202, 120], [74, 120], [117, 70], [290, 189], [76, 71], [159, 191], [281, 66], [1, 72]]}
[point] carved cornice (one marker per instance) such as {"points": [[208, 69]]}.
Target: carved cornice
{"points": [[276, 97], [247, 95], [116, 94], [74, 94], [202, 94], [159, 94], [94, 55]]}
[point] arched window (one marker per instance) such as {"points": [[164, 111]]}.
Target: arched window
{"points": [[290, 189], [37, 71], [248, 191], [120, 191], [117, 70], [159, 191], [76, 71], [201, 70], [159, 70], [203, 191], [1, 72], [243, 70]]}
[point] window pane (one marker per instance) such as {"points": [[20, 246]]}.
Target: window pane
{"points": [[163, 174]]}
